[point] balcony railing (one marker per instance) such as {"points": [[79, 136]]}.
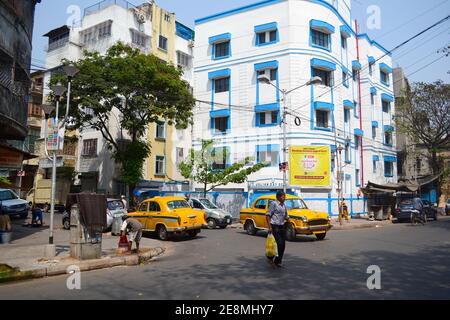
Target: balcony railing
{"points": [[106, 3]]}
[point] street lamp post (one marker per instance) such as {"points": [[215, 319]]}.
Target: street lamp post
{"points": [[285, 93], [58, 90]]}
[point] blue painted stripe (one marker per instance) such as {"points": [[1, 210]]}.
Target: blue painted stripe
{"points": [[184, 31], [220, 113], [358, 132], [374, 124], [219, 74], [356, 65], [320, 63], [266, 27], [266, 65], [387, 97], [376, 158], [267, 107], [349, 104], [389, 158], [322, 26], [371, 60], [320, 105], [346, 31], [385, 67], [373, 90], [220, 38]]}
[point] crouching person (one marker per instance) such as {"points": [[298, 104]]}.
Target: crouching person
{"points": [[132, 228]]}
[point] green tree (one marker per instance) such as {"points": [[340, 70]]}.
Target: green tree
{"points": [[208, 167], [142, 88], [424, 115]]}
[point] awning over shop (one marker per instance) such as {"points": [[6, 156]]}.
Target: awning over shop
{"points": [[390, 187]]}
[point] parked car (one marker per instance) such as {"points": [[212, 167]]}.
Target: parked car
{"points": [[115, 208], [447, 207], [169, 216], [404, 209], [430, 210], [12, 205], [215, 217], [301, 219]]}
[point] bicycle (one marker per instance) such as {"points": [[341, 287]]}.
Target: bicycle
{"points": [[417, 217]]}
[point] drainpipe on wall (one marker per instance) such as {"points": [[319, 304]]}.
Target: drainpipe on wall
{"points": [[360, 105]]}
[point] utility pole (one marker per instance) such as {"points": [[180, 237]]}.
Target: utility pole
{"points": [[284, 142]]}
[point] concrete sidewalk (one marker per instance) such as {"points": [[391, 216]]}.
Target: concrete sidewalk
{"points": [[23, 257]]}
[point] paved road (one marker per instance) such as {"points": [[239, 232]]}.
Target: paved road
{"points": [[228, 264]]}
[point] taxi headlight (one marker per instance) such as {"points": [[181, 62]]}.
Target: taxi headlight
{"points": [[304, 219]]}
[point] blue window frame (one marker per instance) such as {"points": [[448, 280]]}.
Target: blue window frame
{"points": [[221, 46], [388, 168], [222, 85], [267, 34], [386, 106], [347, 152], [320, 34], [345, 79]]}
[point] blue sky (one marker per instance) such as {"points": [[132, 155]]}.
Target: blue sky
{"points": [[400, 19]]}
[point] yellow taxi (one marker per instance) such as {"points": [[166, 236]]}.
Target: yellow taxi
{"points": [[168, 216], [301, 219]]}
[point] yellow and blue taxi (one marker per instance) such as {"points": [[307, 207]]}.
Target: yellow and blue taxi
{"points": [[168, 216], [301, 219]]}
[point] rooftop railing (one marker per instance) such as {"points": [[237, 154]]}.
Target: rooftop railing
{"points": [[106, 3]]}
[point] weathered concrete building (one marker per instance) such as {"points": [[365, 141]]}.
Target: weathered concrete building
{"points": [[16, 25]]}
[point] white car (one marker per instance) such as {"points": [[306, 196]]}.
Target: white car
{"points": [[115, 209], [12, 205]]}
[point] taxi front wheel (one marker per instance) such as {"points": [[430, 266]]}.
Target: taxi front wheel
{"points": [[250, 228]]}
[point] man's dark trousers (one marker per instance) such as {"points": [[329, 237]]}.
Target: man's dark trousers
{"points": [[279, 232]]}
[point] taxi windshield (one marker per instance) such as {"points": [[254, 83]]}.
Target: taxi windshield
{"points": [[295, 204], [178, 204]]}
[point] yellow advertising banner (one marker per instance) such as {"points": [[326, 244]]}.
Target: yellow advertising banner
{"points": [[310, 166]]}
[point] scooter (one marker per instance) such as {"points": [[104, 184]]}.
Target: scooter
{"points": [[417, 216]]}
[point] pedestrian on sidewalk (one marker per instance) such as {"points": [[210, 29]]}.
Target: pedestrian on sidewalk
{"points": [[124, 201], [276, 220], [343, 212], [36, 216], [133, 228]]}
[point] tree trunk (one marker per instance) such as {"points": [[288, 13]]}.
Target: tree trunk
{"points": [[434, 162]]}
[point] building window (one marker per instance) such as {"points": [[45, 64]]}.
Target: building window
{"points": [[344, 42], [357, 178], [388, 169], [346, 116], [58, 41], [167, 17], [220, 124], [372, 99], [347, 152], [184, 60], [222, 85], [159, 165], [267, 37], [222, 50], [272, 74], [139, 39], [357, 144], [418, 165], [374, 166], [104, 30], [89, 148], [268, 154], [345, 79], [267, 118], [326, 76], [370, 69], [384, 78], [322, 118], [180, 155], [386, 106], [219, 158], [388, 138], [355, 75], [374, 133], [321, 39], [160, 130], [356, 110], [162, 43]]}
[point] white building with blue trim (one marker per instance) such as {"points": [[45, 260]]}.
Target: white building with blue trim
{"points": [[291, 41]]}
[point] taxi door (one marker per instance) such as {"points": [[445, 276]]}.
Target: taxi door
{"points": [[142, 214], [155, 215], [259, 213]]}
